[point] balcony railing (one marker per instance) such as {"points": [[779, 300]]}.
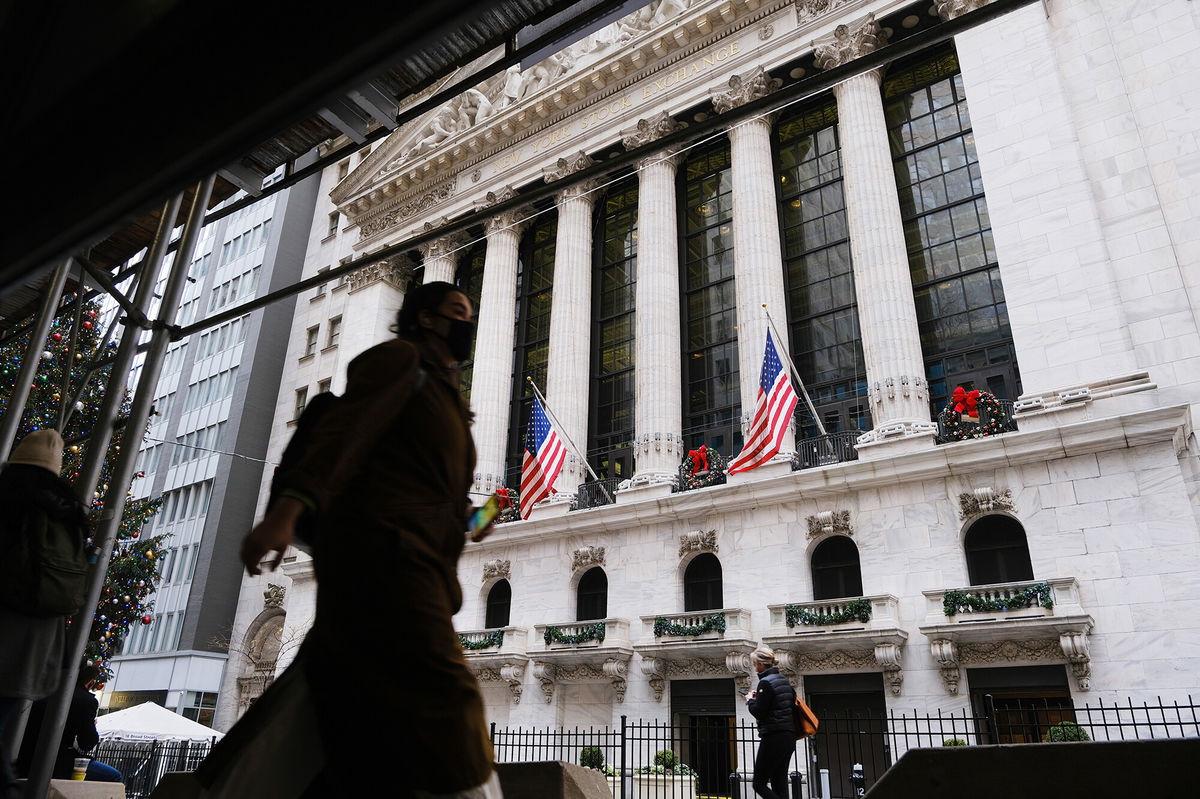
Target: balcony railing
{"points": [[835, 615], [999, 422], [697, 625], [580, 635], [509, 640], [825, 450], [596, 493]]}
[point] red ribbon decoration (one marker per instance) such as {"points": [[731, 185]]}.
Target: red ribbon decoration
{"points": [[505, 498], [699, 459], [966, 402]]}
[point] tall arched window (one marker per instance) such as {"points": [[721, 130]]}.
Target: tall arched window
{"points": [[702, 583], [997, 551], [835, 569], [498, 603], [591, 598]]}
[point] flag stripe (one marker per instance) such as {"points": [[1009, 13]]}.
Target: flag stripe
{"points": [[773, 408], [542, 461]]}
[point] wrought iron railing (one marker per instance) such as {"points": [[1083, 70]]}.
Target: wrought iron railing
{"points": [[825, 450], [596, 493]]}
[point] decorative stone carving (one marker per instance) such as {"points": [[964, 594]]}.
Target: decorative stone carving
{"points": [[273, 596], [1009, 651], [545, 674], [838, 660], [655, 670], [567, 166], [586, 557], [765, 32], [888, 657], [738, 664], [617, 670], [514, 218], [945, 653], [648, 130], [1075, 647], [441, 247], [497, 570], [744, 89], [514, 675], [983, 500], [828, 522], [950, 9], [396, 272], [898, 429], [847, 44], [391, 218], [659, 670], [669, 444], [811, 9], [698, 541]]}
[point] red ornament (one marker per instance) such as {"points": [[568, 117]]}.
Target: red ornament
{"points": [[147, 619], [56, 336], [87, 325]]}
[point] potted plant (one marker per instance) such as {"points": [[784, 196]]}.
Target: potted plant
{"points": [[666, 779], [1066, 731], [954, 742], [593, 757]]}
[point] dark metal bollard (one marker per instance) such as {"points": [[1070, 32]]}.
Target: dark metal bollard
{"points": [[735, 786], [796, 781], [858, 780]]}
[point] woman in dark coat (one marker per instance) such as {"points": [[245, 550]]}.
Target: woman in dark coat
{"points": [[387, 470], [771, 705]]}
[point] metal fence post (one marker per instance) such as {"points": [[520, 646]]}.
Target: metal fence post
{"points": [[623, 740], [989, 717], [796, 779], [735, 786]]}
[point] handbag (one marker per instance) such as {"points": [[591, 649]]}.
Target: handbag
{"points": [[804, 720]]}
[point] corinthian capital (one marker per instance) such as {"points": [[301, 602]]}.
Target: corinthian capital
{"points": [[515, 218], [567, 166], [648, 130], [743, 89], [950, 9], [847, 44], [446, 244]]}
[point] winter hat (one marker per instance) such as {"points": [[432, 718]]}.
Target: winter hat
{"points": [[40, 448]]}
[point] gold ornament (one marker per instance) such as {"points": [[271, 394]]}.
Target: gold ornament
{"points": [[75, 448]]}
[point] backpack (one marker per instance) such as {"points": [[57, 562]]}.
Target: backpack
{"points": [[804, 720], [43, 566]]}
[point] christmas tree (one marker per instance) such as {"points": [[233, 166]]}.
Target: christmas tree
{"points": [[66, 374]]}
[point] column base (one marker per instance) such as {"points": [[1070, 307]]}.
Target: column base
{"points": [[647, 486], [896, 437], [778, 466]]}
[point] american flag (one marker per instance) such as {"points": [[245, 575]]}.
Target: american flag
{"points": [[544, 456], [772, 413]]}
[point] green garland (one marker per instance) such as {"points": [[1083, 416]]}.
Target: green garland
{"points": [[491, 639], [592, 632], [987, 406], [715, 622], [856, 610], [954, 601]]}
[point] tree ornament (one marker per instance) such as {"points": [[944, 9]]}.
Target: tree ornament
{"points": [[147, 619], [47, 356], [56, 336]]}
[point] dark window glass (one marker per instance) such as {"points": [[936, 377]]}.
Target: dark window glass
{"points": [[702, 584], [997, 551], [823, 313], [610, 440], [961, 313], [470, 282], [499, 602], [710, 367], [835, 569], [592, 595], [535, 281]]}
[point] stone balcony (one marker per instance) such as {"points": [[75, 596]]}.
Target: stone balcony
{"points": [[712, 643], [1029, 621], [851, 633], [581, 651], [497, 656]]}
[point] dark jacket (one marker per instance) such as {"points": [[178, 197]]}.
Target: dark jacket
{"points": [[772, 703], [79, 733]]}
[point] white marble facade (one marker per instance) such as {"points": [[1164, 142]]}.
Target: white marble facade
{"points": [[1086, 117]]}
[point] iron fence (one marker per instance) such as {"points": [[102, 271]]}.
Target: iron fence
{"points": [[143, 763], [595, 493], [825, 450], [719, 750]]}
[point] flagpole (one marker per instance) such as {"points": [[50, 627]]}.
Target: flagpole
{"points": [[795, 375], [563, 432]]}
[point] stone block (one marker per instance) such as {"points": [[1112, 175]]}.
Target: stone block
{"points": [[70, 789], [551, 780]]}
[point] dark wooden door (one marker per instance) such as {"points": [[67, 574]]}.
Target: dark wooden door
{"points": [[853, 730]]}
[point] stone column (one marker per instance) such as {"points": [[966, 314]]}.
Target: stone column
{"points": [[491, 384], [568, 370], [757, 252], [897, 392], [439, 256], [658, 408]]}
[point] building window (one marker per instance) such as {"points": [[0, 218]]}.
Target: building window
{"points": [[200, 706], [334, 219], [470, 281], [823, 313], [702, 583], [610, 444], [591, 597], [335, 331], [310, 340], [499, 602], [343, 169], [961, 311], [320, 290], [997, 551], [301, 401], [835, 569], [712, 402], [324, 386], [536, 283]]}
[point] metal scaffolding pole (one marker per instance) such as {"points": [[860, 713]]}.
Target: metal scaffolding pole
{"points": [[33, 353], [56, 711]]}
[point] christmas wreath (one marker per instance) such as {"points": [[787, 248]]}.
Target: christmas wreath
{"points": [[592, 632], [856, 610], [490, 640], [712, 623], [972, 414], [700, 468], [510, 505]]}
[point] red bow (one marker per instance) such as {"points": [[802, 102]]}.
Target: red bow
{"points": [[699, 459], [505, 498], [965, 402]]}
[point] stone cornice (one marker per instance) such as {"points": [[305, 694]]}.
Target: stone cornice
{"points": [[937, 462]]}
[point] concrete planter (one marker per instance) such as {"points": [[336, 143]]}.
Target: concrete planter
{"points": [[659, 786]]}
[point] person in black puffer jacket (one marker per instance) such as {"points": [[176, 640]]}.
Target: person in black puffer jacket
{"points": [[771, 705]]}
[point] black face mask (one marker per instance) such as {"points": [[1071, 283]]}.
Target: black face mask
{"points": [[460, 338]]}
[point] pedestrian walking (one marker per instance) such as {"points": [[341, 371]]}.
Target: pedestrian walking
{"points": [[771, 705]]}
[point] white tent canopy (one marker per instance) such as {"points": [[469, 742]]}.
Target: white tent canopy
{"points": [[148, 721]]}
